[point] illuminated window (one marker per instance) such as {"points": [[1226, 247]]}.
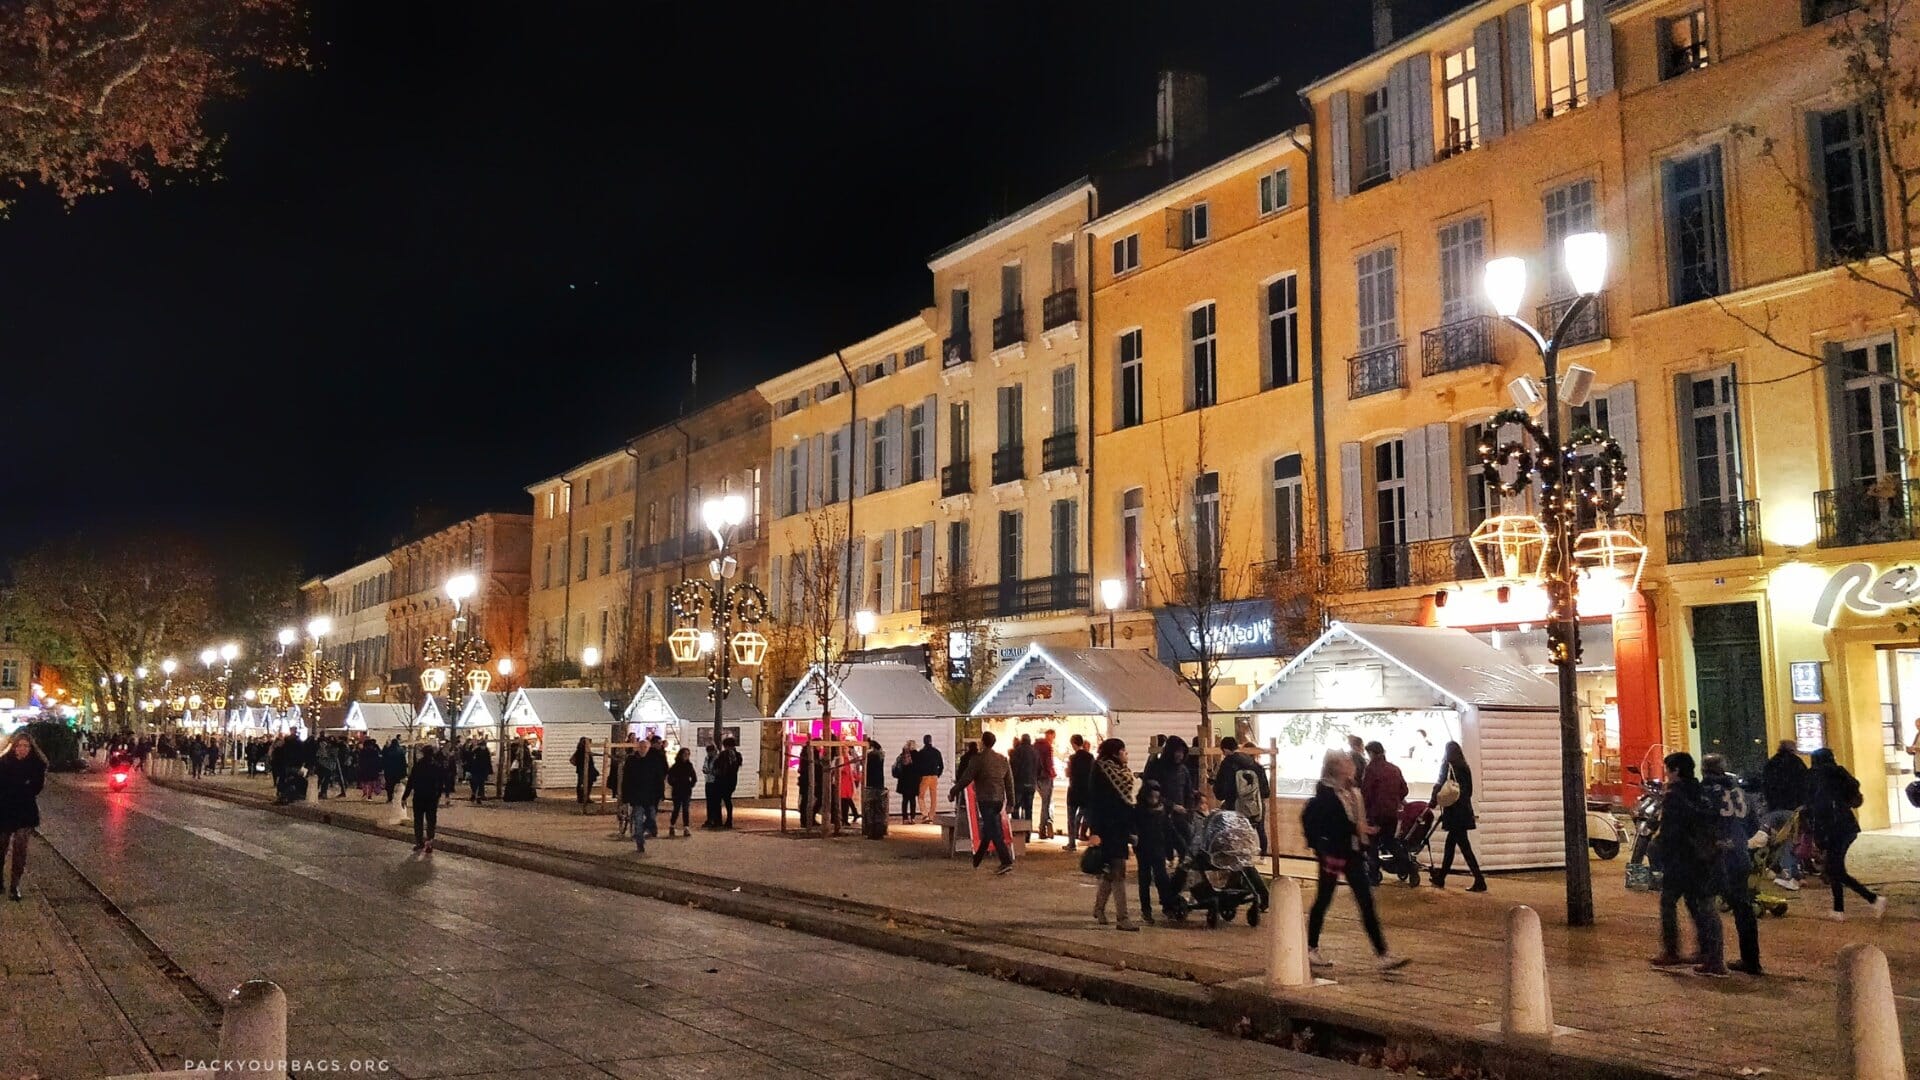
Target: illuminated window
{"points": [[1683, 43], [1566, 47], [1460, 93]]}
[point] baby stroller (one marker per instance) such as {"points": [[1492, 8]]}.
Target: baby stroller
{"points": [[1764, 851], [1216, 874], [293, 786], [1416, 824]]}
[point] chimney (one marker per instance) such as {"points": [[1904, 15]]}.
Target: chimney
{"points": [[1180, 112], [1382, 23]]}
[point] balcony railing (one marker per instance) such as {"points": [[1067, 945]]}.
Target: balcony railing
{"points": [[1010, 463], [1028, 596], [1009, 328], [1060, 309], [956, 479], [1422, 562], [1457, 345], [1061, 450], [1724, 529], [1868, 513], [1590, 326], [1377, 371], [956, 350]]}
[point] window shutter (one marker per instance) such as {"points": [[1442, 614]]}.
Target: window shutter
{"points": [[926, 562], [780, 500], [862, 432], [1521, 109], [1439, 466], [1844, 468], [1623, 417], [1599, 51], [896, 444], [887, 576], [1689, 449], [814, 453], [1399, 119], [1340, 146], [931, 452], [1816, 169], [1420, 108], [778, 601], [1415, 447], [1353, 500], [846, 459], [1487, 76]]}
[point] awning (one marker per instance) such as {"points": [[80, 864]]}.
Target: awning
{"points": [[559, 706], [1358, 666], [685, 699], [868, 691], [1127, 686]]}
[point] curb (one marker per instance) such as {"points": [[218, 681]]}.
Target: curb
{"points": [[1176, 992]]}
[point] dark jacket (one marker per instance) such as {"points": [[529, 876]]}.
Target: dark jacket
{"points": [[1175, 780], [874, 777], [370, 766], [394, 760], [726, 769], [1152, 829], [1459, 816], [1832, 796], [929, 760], [1226, 786], [1784, 780], [1109, 815], [480, 763], [21, 781], [906, 775], [680, 778], [1329, 830], [1079, 771], [643, 779], [990, 775], [430, 775], [1020, 758], [1687, 845], [1729, 806], [1385, 788]]}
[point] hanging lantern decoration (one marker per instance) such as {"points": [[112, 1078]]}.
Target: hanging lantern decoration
{"points": [[193, 700], [684, 644], [332, 692], [220, 701], [1613, 550], [478, 679], [297, 693], [433, 680], [1510, 547], [749, 648]]}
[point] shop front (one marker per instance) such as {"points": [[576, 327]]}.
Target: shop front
{"points": [[552, 721], [1240, 638], [1093, 693], [677, 710], [893, 703]]}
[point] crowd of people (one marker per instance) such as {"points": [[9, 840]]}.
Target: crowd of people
{"points": [[643, 779]]}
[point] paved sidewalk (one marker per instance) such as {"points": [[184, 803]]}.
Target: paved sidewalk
{"points": [[1601, 983]]}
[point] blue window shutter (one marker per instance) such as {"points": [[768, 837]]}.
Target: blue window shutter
{"points": [[1488, 76], [1599, 51], [1521, 107], [1340, 145], [1399, 119], [1420, 108]]}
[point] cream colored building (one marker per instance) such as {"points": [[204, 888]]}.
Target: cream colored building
{"points": [[357, 602]]}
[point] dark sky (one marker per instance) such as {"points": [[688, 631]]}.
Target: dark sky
{"points": [[480, 243]]}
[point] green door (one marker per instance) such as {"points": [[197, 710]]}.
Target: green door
{"points": [[1731, 687]]}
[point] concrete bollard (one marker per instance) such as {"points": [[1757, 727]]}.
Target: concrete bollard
{"points": [[253, 1030], [1869, 1027], [1527, 1011], [1287, 946]]}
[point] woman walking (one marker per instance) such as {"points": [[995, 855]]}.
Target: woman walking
{"points": [[1832, 796], [23, 773], [1456, 817], [680, 780], [906, 781], [370, 768], [585, 773], [1335, 822], [1110, 815]]}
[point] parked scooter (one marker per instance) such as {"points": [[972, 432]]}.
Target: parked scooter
{"points": [[1604, 834]]}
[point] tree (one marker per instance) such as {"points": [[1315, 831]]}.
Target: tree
{"points": [[965, 643], [96, 91], [813, 637], [1301, 583]]}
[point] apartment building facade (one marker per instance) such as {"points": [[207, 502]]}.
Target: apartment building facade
{"points": [[496, 549], [357, 601]]}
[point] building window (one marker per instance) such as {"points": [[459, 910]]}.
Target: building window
{"points": [[1201, 329], [1011, 416], [1064, 405], [1815, 11], [606, 550], [1683, 43], [586, 492], [1696, 226], [626, 544], [960, 312], [9, 674], [1126, 254], [1460, 95], [912, 564], [672, 531], [1709, 413], [1066, 529], [586, 557], [875, 586], [553, 502], [916, 444], [836, 454], [1133, 380], [1283, 331], [1569, 210], [1009, 547], [1462, 259], [1390, 493], [1378, 299], [1848, 217], [1195, 225], [1276, 191], [1206, 521], [1566, 45], [959, 554], [877, 455], [1288, 508], [1133, 509], [960, 433], [1010, 289], [1870, 424], [796, 499], [915, 354], [1482, 502], [1063, 271], [1374, 165]]}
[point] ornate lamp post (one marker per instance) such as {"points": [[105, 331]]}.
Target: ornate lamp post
{"points": [[1587, 468], [1113, 593], [741, 604], [456, 665]]}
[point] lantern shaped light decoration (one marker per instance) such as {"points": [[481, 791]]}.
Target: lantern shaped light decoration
{"points": [[179, 702], [297, 692], [194, 700], [1610, 561], [1510, 547], [220, 701], [749, 648], [684, 644], [269, 694], [478, 679], [433, 680], [332, 692]]}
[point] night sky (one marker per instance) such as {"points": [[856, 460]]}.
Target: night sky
{"points": [[481, 242]]}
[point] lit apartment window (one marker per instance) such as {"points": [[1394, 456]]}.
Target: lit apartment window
{"points": [[1390, 493], [1462, 256], [1205, 342], [1566, 46], [1133, 510], [1683, 43], [1283, 331], [1374, 166], [1696, 226], [1206, 521], [1378, 299], [1126, 253], [1288, 510], [1460, 92], [1276, 191], [1133, 379], [1849, 220]]}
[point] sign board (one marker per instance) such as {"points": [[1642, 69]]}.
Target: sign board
{"points": [[1349, 683], [1858, 588], [1234, 631], [1810, 731], [1807, 688], [703, 735]]}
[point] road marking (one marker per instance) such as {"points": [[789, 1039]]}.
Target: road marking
{"points": [[234, 843]]}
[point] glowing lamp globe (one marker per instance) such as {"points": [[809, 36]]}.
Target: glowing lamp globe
{"points": [[434, 680], [749, 648], [1506, 285], [1510, 547], [193, 701], [478, 679], [684, 644]]}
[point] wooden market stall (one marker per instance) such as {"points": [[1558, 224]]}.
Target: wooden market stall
{"points": [[891, 702], [552, 721], [677, 710]]}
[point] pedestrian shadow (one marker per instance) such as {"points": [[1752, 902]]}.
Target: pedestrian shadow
{"points": [[408, 876]]}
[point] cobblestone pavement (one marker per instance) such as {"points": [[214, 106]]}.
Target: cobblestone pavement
{"points": [[446, 966], [1601, 984]]}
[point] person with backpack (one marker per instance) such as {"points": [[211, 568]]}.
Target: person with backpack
{"points": [[1832, 796], [1453, 794], [1729, 805], [1241, 786], [726, 777], [1689, 852], [1335, 821]]}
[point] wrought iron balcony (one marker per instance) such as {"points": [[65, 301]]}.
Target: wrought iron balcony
{"points": [[1457, 345], [1876, 512], [956, 479], [1377, 370], [1009, 328], [1722, 529], [1010, 463], [1028, 596], [1590, 326], [1060, 309], [956, 350], [1395, 566], [1061, 450]]}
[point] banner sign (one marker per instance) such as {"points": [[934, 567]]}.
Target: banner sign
{"points": [[1232, 631]]}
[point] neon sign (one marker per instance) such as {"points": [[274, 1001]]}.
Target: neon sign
{"points": [[1856, 587]]}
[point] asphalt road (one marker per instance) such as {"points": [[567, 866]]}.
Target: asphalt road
{"points": [[444, 966]]}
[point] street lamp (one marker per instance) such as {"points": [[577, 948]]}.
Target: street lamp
{"points": [[864, 623], [1588, 469], [456, 665], [1113, 593], [741, 603], [590, 657]]}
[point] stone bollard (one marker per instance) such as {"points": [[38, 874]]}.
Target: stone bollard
{"points": [[1869, 1027], [1527, 1010], [253, 1030], [1287, 948]]}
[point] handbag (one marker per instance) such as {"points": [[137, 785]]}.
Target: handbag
{"points": [[1913, 792], [1448, 794], [1094, 861]]}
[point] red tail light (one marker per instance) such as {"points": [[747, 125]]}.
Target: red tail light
{"points": [[119, 778]]}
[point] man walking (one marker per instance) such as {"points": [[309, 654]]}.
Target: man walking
{"points": [[1044, 770], [726, 777], [1688, 850], [1079, 775], [643, 783], [992, 778], [930, 765], [424, 785], [1725, 797]]}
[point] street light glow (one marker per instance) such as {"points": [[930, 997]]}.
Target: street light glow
{"points": [[1113, 593], [460, 587], [319, 627], [505, 666], [590, 657], [208, 655], [229, 652], [1586, 255], [140, 672], [865, 621], [169, 666], [1506, 284], [288, 635]]}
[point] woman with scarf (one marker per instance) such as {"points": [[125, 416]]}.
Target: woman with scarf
{"points": [[1336, 825], [906, 781], [1110, 815]]}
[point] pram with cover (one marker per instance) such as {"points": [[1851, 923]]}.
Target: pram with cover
{"points": [[1414, 828], [1216, 873]]}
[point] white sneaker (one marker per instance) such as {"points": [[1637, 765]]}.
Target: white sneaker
{"points": [[1879, 907], [1787, 883], [1314, 959], [1837, 916], [1390, 962]]}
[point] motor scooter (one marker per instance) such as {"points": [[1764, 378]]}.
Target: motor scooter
{"points": [[119, 771]]}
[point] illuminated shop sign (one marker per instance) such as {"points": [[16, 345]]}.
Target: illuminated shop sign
{"points": [[1235, 631], [1858, 588]]}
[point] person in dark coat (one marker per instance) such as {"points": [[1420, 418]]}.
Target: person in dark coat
{"points": [[1168, 771], [1457, 819], [23, 775], [1832, 796], [1335, 821], [1079, 775], [804, 763], [1385, 789], [586, 774], [873, 791], [1248, 800], [393, 765], [424, 785], [726, 777], [680, 780], [712, 792], [932, 764], [643, 783], [906, 781], [1729, 805], [371, 769], [1110, 815], [1026, 773], [1153, 842], [1784, 784], [1687, 846], [479, 770]]}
